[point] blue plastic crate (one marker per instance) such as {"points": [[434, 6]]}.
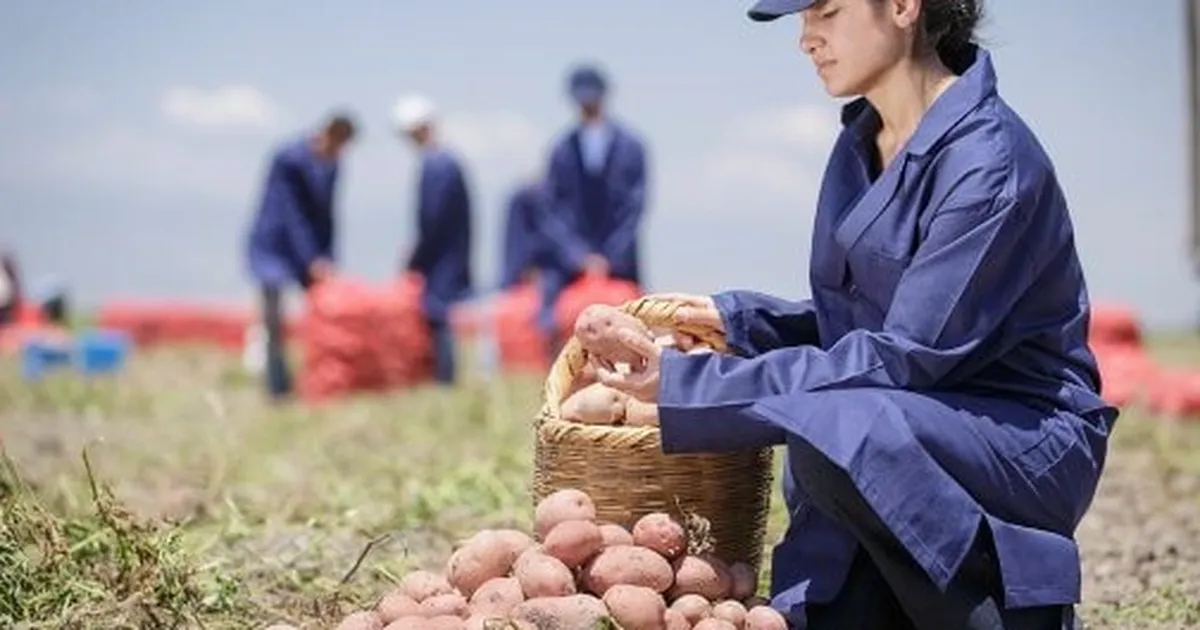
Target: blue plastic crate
{"points": [[40, 355], [101, 351]]}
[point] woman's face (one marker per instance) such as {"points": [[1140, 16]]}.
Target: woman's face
{"points": [[853, 43]]}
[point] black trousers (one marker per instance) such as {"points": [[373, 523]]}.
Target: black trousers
{"points": [[887, 590]]}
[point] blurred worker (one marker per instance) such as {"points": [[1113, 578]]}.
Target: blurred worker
{"points": [[292, 236], [10, 288], [525, 249], [442, 254], [597, 186]]}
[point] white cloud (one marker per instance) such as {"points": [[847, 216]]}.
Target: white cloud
{"points": [[773, 156], [500, 138], [236, 106]]}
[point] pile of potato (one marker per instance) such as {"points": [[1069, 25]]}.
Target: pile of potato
{"points": [[575, 573], [597, 329]]}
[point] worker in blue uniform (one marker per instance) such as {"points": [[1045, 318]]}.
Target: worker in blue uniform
{"points": [[937, 398], [291, 239], [524, 251], [596, 180], [442, 254]]}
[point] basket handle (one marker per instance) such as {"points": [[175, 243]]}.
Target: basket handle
{"points": [[654, 311]]}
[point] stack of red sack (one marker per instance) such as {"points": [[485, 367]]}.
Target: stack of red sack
{"points": [[586, 291], [519, 341], [1126, 370], [1131, 376], [357, 337], [158, 323]]}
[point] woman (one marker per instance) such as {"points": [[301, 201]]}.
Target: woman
{"points": [[936, 395]]}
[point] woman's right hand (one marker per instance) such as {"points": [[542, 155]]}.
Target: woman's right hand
{"points": [[698, 311]]}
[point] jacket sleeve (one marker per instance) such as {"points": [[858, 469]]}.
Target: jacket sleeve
{"points": [[756, 322], [619, 244], [565, 244], [284, 194], [973, 266], [435, 222]]}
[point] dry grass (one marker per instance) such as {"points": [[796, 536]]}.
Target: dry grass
{"points": [[229, 513]]}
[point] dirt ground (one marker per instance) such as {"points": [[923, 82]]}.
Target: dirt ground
{"points": [[303, 514]]}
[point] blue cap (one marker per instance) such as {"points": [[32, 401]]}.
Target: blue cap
{"points": [[587, 85], [767, 10]]}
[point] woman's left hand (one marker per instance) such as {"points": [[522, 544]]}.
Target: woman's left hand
{"points": [[642, 384]]}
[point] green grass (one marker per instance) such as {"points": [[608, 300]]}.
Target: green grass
{"points": [[227, 512]]}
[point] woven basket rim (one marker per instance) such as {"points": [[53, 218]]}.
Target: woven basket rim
{"points": [[656, 311]]}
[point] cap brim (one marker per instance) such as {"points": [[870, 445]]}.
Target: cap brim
{"points": [[767, 10]]}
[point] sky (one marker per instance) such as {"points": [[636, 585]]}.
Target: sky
{"points": [[133, 140]]}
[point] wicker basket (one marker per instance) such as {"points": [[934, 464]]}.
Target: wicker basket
{"points": [[627, 474]]}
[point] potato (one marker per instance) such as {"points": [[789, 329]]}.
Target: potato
{"points": [[626, 564], [496, 597], [452, 604], [636, 607], [675, 620], [574, 542], [541, 575], [516, 540], [445, 622], [395, 605], [361, 620], [595, 404], [705, 575], [639, 413], [614, 535], [411, 622], [745, 582], [421, 585], [568, 504], [660, 532], [572, 612], [732, 611], [598, 329], [488, 556], [712, 623], [765, 618], [692, 607]]}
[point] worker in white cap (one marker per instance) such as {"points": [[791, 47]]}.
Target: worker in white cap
{"points": [[442, 254]]}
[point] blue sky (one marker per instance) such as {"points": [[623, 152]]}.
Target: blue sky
{"points": [[133, 139]]}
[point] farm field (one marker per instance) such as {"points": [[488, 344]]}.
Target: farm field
{"points": [[231, 513]]}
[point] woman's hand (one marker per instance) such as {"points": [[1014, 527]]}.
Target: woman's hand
{"points": [[641, 383], [698, 311]]}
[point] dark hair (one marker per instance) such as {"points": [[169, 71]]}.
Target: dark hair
{"points": [[340, 125], [948, 27]]}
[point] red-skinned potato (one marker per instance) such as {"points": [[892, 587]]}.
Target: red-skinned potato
{"points": [[361, 620], [639, 413], [692, 607], [568, 504], [636, 607], [421, 585], [596, 404], [675, 620], [487, 557], [614, 535], [660, 532], [574, 542], [598, 329], [497, 597], [627, 565], [765, 618], [395, 605], [452, 605], [745, 582], [712, 623], [572, 612], [445, 622], [542, 576], [732, 611], [704, 574], [411, 622]]}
